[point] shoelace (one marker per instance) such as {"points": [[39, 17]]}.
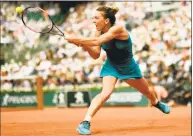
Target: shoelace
{"points": [[86, 124]]}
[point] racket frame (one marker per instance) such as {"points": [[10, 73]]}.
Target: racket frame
{"points": [[53, 24]]}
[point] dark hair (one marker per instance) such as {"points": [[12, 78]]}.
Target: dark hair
{"points": [[109, 12]]}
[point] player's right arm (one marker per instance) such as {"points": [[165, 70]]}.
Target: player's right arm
{"points": [[94, 51]]}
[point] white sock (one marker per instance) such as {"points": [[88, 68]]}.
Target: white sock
{"points": [[87, 117]]}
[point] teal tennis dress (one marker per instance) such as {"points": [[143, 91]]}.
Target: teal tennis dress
{"points": [[120, 62]]}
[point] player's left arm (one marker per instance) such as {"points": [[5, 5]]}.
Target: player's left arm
{"points": [[113, 32]]}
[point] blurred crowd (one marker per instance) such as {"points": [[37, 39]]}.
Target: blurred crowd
{"points": [[161, 44]]}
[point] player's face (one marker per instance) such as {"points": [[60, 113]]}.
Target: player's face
{"points": [[99, 20]]}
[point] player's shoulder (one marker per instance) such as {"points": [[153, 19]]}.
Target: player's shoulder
{"points": [[118, 27]]}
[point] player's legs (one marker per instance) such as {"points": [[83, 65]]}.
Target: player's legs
{"points": [[108, 83], [142, 86]]}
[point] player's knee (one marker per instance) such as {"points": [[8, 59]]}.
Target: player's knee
{"points": [[105, 96]]}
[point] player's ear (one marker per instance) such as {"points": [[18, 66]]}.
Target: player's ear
{"points": [[107, 20]]}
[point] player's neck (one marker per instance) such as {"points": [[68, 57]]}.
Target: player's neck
{"points": [[106, 28]]}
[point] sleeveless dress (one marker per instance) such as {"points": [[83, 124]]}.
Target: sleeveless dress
{"points": [[120, 62]]}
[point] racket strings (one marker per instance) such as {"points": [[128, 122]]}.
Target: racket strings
{"points": [[37, 20]]}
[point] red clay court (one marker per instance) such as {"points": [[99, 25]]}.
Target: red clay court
{"points": [[114, 121]]}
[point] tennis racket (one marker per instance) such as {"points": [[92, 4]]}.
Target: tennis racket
{"points": [[38, 20]]}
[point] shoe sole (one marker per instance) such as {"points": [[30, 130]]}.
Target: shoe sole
{"points": [[82, 133]]}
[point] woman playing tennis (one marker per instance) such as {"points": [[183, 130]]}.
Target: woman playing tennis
{"points": [[120, 64]]}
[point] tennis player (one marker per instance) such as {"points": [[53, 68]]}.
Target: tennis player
{"points": [[120, 64]]}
